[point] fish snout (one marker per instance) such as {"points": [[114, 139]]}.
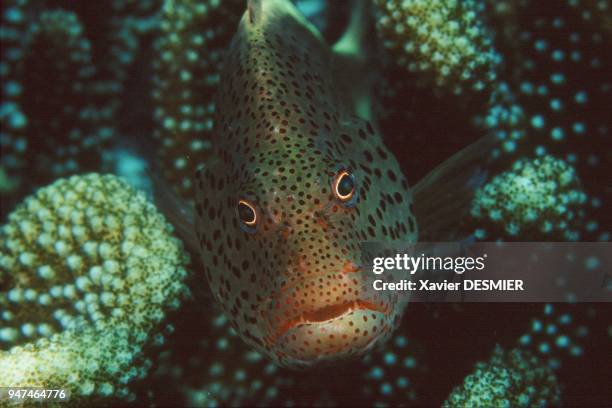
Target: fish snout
{"points": [[327, 317]]}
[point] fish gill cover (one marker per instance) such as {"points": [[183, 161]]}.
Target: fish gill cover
{"points": [[185, 185]]}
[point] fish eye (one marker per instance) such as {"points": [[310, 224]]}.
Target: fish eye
{"points": [[247, 214], [344, 187]]}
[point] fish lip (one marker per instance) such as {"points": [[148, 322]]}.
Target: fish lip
{"points": [[326, 315]]}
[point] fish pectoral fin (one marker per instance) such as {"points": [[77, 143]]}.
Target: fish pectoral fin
{"points": [[178, 211], [442, 199]]}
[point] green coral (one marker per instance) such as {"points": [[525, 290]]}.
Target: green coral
{"points": [[186, 74], [444, 41], [540, 198], [218, 370], [547, 107], [64, 148], [49, 60], [390, 372], [88, 270], [509, 379], [560, 331], [6, 184], [13, 121], [505, 118], [123, 27], [87, 363], [65, 76]]}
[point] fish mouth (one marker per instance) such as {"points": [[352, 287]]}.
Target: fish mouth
{"points": [[328, 314], [331, 333]]}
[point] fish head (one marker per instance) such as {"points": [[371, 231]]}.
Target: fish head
{"points": [[298, 183]]}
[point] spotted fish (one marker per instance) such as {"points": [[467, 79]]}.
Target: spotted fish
{"points": [[300, 177]]}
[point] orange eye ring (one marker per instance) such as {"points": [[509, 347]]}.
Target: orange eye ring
{"points": [[343, 186], [247, 213]]}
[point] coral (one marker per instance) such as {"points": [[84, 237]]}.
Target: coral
{"points": [[79, 55], [505, 118], [6, 184], [556, 56], [76, 77], [389, 374], [246, 376], [537, 198], [549, 53], [509, 379], [90, 270], [123, 27], [46, 139], [13, 122], [186, 73], [540, 104], [59, 146], [597, 11], [88, 363], [445, 42], [558, 331], [218, 369]]}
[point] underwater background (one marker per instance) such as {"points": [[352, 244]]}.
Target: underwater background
{"points": [[98, 294]]}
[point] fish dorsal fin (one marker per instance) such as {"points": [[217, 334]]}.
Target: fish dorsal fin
{"points": [[442, 199], [351, 66], [353, 40], [260, 12], [254, 11]]}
